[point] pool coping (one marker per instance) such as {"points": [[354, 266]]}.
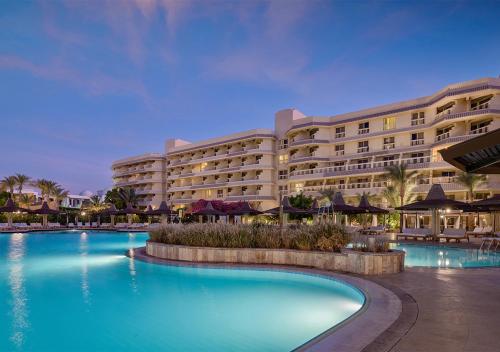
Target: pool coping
{"points": [[381, 310]]}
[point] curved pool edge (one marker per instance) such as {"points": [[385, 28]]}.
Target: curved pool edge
{"points": [[381, 309]]}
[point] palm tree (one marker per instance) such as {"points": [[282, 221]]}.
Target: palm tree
{"points": [[21, 181], [9, 183], [471, 182], [391, 195], [328, 193], [26, 200], [46, 188], [400, 179], [58, 193], [128, 195]]}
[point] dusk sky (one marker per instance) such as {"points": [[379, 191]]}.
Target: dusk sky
{"points": [[84, 83]]}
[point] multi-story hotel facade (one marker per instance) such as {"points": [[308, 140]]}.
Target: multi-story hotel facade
{"points": [[347, 152]]}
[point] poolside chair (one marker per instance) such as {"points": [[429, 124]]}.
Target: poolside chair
{"points": [[4, 226], [121, 225], [478, 231], [36, 225], [20, 226], [491, 241], [487, 231], [71, 225], [105, 225], [54, 225], [415, 234], [79, 225], [453, 234], [93, 224]]}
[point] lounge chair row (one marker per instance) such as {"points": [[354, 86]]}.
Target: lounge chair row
{"points": [[481, 231], [54, 225], [426, 234]]}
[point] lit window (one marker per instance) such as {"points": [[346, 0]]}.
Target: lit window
{"points": [[389, 123], [283, 158]]}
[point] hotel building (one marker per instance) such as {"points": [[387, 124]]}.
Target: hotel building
{"points": [[348, 152]]}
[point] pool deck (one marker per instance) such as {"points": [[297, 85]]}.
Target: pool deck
{"points": [[456, 310]]}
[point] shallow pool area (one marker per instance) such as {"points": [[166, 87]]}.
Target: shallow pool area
{"points": [[446, 256], [77, 291]]}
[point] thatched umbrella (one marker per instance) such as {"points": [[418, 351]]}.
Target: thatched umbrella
{"points": [[286, 209], [435, 200], [163, 210], [209, 211], [45, 211], [129, 211], [112, 212], [10, 208], [365, 207], [244, 209]]}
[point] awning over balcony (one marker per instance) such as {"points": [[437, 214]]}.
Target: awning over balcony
{"points": [[478, 155]]}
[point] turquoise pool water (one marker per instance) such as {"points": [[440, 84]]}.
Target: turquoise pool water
{"points": [[76, 291], [446, 256]]}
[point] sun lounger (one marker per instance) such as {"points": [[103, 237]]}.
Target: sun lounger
{"points": [[105, 225], [54, 225], [79, 224], [4, 226], [478, 231], [36, 225], [415, 234], [93, 224], [71, 225], [20, 226], [453, 234], [121, 225]]}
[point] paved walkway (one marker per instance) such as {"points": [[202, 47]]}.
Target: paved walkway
{"points": [[447, 310]]}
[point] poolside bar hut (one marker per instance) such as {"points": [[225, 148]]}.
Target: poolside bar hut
{"points": [[45, 211], [491, 205], [208, 211], [129, 211], [244, 209], [10, 208], [435, 201], [338, 206]]}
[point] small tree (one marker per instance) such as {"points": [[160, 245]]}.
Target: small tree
{"points": [[8, 183], [400, 179]]}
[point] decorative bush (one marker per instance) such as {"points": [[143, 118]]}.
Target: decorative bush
{"points": [[360, 243], [326, 237]]}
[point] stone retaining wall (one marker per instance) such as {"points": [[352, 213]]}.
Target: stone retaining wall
{"points": [[347, 261]]}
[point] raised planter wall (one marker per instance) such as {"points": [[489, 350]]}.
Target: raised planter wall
{"points": [[347, 261]]}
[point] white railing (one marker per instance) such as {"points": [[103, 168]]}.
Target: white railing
{"points": [[363, 131], [442, 136], [417, 142], [359, 166], [358, 185], [340, 135], [479, 130], [363, 149], [339, 153], [389, 146], [417, 122]]}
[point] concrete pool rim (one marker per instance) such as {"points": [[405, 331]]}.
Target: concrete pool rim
{"points": [[380, 311]]}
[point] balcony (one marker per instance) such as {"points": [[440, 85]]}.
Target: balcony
{"points": [[417, 142], [482, 106], [418, 122], [479, 130], [339, 152], [340, 135], [388, 146], [363, 149], [362, 166], [363, 131], [356, 185], [442, 136]]}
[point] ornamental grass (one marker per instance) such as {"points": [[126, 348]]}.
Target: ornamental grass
{"points": [[326, 237]]}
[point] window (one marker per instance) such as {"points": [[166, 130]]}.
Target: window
{"points": [[283, 158], [363, 147], [283, 190], [480, 103], [339, 149], [443, 133], [220, 193], [339, 166], [448, 173], [417, 138], [418, 118], [389, 143], [364, 128], [340, 132], [283, 174], [479, 127], [389, 123], [445, 109], [283, 144]]}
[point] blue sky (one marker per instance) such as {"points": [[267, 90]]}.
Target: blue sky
{"points": [[86, 82]]}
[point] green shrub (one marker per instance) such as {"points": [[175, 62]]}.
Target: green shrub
{"points": [[321, 237]]}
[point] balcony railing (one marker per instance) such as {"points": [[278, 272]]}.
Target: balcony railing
{"points": [[388, 146], [442, 136], [417, 142], [479, 130], [339, 152], [417, 122], [363, 131], [340, 135], [363, 149], [480, 106]]}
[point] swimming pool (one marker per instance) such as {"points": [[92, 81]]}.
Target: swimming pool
{"points": [[76, 291], [446, 256]]}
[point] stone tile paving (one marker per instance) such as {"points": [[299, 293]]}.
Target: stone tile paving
{"points": [[456, 310]]}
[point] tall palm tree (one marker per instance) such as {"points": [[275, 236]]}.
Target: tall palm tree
{"points": [[9, 183], [400, 178], [128, 196], [471, 182], [46, 187], [26, 200], [58, 193], [21, 180]]}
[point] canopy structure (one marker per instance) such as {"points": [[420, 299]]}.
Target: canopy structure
{"points": [[366, 208], [163, 209], [244, 209], [287, 209], [208, 210], [435, 200], [129, 211], [112, 212], [490, 205], [339, 206], [478, 155], [10, 208], [149, 211], [45, 211]]}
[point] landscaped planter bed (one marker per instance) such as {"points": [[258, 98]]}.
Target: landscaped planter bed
{"points": [[357, 262]]}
